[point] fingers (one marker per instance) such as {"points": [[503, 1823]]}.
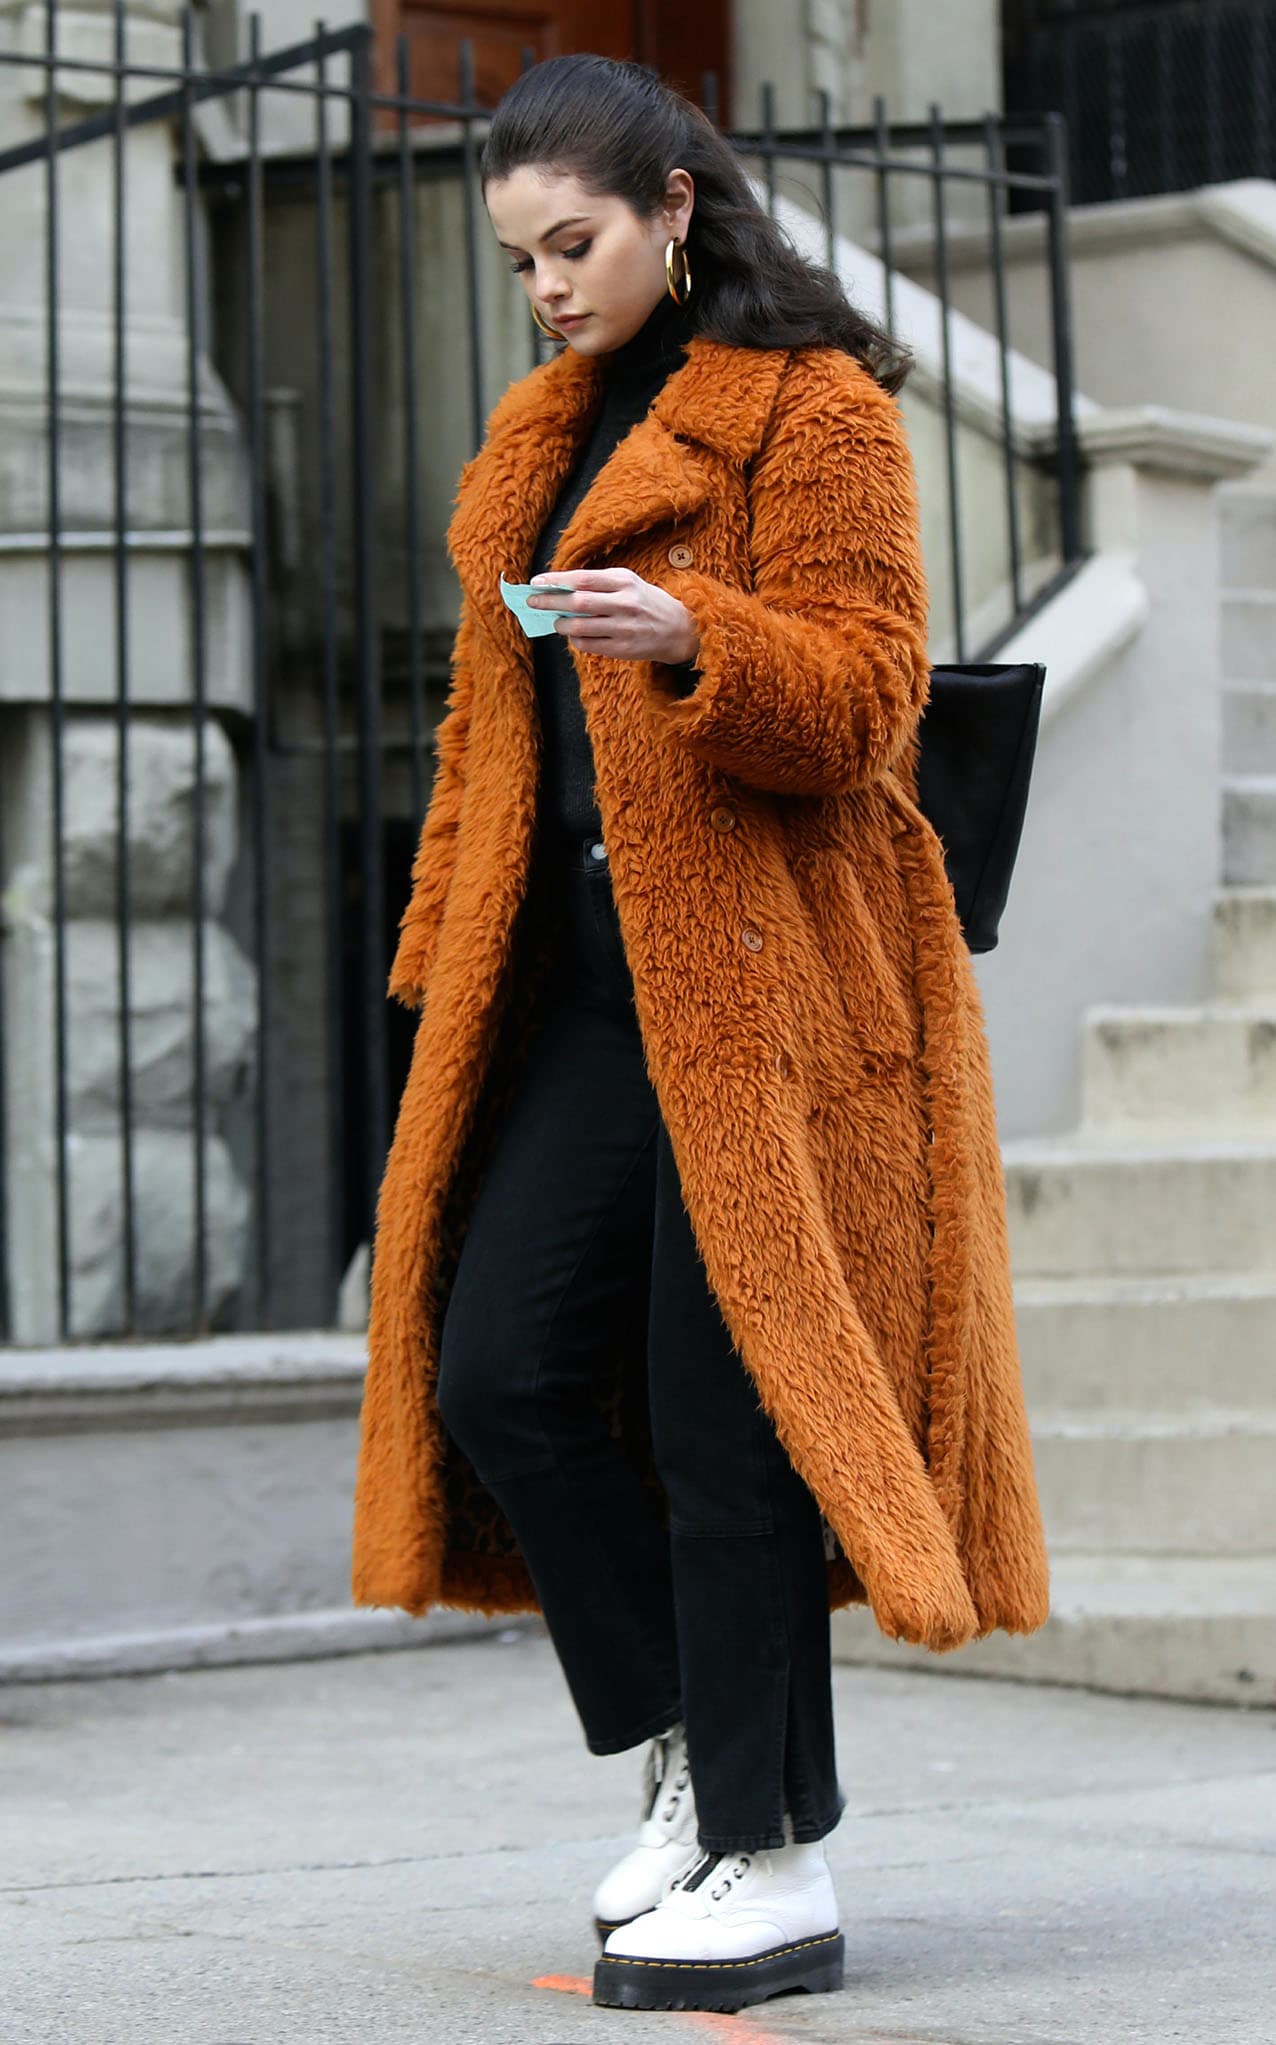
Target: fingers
{"points": [[585, 578], [575, 603], [588, 633], [598, 629], [617, 606], [580, 582]]}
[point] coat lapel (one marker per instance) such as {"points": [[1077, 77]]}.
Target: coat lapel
{"points": [[715, 406]]}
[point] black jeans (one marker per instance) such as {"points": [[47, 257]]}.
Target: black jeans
{"points": [[722, 1618]]}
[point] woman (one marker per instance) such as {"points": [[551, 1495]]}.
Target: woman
{"points": [[691, 1310]]}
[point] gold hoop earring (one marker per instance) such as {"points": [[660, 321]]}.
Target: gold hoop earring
{"points": [[679, 280], [550, 333]]}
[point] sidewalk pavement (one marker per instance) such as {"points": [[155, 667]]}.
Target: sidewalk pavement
{"points": [[402, 1847]]}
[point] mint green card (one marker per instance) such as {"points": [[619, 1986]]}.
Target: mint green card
{"points": [[535, 623]]}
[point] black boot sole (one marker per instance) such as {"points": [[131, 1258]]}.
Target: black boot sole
{"points": [[814, 1964], [605, 1927]]}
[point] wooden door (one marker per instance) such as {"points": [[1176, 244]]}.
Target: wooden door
{"points": [[682, 41]]}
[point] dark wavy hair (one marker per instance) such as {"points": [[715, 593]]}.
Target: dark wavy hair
{"points": [[621, 130]]}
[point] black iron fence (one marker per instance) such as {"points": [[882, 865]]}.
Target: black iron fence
{"points": [[1158, 95], [264, 328]]}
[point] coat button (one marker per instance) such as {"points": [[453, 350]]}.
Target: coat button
{"points": [[680, 556], [782, 1064], [751, 940], [722, 819]]}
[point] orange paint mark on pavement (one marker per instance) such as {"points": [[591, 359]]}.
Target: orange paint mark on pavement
{"points": [[728, 2030]]}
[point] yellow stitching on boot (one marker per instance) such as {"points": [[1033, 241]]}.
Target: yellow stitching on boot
{"points": [[826, 1938]]}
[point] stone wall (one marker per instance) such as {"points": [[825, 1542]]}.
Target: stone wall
{"points": [[911, 52], [161, 967], [160, 709]]}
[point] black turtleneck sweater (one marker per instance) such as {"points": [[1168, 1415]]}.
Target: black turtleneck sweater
{"points": [[631, 377]]}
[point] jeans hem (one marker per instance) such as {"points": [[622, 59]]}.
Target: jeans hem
{"points": [[766, 1842], [647, 1729]]}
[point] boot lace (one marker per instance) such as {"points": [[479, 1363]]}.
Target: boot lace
{"points": [[658, 1786], [708, 1864]]}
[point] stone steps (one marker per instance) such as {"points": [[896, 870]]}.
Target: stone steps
{"points": [[1144, 1248], [1244, 955], [1212, 1065], [1107, 1209], [1145, 1256], [1249, 728], [1154, 1484], [1249, 829], [1199, 1627], [1179, 1346]]}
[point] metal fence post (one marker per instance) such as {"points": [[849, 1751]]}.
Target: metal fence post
{"points": [[123, 890], [1066, 463], [367, 675], [57, 680], [199, 686]]}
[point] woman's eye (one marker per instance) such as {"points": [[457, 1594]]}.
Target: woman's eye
{"points": [[572, 255]]}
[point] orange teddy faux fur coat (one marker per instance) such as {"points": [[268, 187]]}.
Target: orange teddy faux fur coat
{"points": [[808, 1013]]}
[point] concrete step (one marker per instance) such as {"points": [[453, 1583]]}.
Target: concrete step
{"points": [[157, 1500], [1158, 1484], [1244, 962], [1176, 1626], [1249, 635], [1080, 1208], [1206, 1066], [1247, 536], [1249, 728], [1184, 1346], [1249, 829]]}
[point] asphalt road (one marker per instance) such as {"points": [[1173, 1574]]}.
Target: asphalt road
{"points": [[402, 1847]]}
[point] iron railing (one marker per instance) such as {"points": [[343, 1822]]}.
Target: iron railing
{"points": [[312, 507], [1158, 95]]}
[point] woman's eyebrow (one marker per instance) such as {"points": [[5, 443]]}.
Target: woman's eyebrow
{"points": [[550, 232]]}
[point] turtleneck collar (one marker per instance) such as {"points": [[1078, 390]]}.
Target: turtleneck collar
{"points": [[653, 352]]}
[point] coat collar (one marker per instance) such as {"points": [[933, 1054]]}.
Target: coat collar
{"points": [[719, 401]]}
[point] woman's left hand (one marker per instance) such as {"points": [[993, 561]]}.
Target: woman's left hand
{"points": [[615, 612]]}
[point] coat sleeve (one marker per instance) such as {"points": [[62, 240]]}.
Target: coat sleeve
{"points": [[436, 848], [814, 682]]}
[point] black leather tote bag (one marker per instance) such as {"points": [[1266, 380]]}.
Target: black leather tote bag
{"points": [[978, 737]]}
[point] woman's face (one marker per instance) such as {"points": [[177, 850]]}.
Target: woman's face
{"points": [[589, 265]]}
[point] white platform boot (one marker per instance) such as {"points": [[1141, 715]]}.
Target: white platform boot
{"points": [[666, 1841], [733, 1928]]}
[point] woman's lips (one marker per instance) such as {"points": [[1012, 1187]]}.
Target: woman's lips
{"points": [[568, 319]]}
